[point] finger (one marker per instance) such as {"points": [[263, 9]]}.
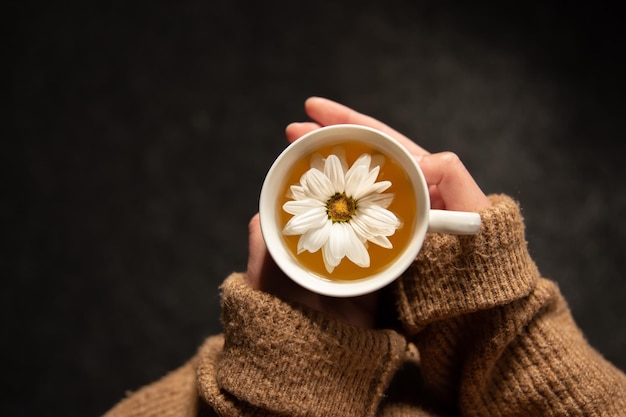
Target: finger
{"points": [[256, 252], [263, 273], [296, 130], [327, 112], [455, 187], [436, 202]]}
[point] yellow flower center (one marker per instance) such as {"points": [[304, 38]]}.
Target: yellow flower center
{"points": [[340, 208]]}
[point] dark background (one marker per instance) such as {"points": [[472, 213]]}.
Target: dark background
{"points": [[139, 134]]}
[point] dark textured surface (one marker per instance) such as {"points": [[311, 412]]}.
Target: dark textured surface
{"points": [[140, 135]]}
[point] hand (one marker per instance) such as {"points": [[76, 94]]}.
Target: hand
{"points": [[263, 274], [451, 187]]}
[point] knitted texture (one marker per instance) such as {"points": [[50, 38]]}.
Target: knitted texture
{"points": [[294, 361], [455, 275], [173, 395], [484, 335], [495, 339]]}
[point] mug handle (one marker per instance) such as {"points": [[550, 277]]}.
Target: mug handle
{"points": [[454, 222]]}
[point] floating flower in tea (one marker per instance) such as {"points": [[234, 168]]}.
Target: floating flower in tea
{"points": [[339, 210]]}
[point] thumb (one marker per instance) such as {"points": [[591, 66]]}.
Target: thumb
{"points": [[452, 186], [256, 252]]}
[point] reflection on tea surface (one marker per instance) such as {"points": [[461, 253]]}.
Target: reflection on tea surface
{"points": [[403, 206]]}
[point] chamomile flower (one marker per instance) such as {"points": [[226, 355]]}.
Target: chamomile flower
{"points": [[339, 209]]}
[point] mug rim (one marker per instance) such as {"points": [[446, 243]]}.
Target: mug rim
{"points": [[274, 183]]}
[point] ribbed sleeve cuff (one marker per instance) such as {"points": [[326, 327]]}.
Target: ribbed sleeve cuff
{"points": [[454, 275], [293, 361]]}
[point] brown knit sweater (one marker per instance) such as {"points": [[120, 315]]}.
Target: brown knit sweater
{"points": [[482, 334]]}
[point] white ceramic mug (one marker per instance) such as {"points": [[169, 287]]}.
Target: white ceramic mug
{"points": [[425, 220]]}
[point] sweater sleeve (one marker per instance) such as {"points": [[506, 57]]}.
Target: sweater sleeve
{"points": [[173, 395], [496, 339], [279, 359]]}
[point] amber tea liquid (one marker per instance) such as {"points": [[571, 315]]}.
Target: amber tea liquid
{"points": [[403, 206]]}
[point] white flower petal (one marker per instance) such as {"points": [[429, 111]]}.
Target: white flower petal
{"points": [[363, 160], [355, 178], [374, 188], [343, 242], [334, 172], [338, 240], [314, 239], [296, 207], [302, 223], [341, 154], [366, 233], [361, 181], [296, 192], [329, 262], [318, 185], [361, 230], [376, 199], [356, 250], [334, 250], [381, 241], [369, 185], [380, 215], [307, 193], [375, 221]]}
